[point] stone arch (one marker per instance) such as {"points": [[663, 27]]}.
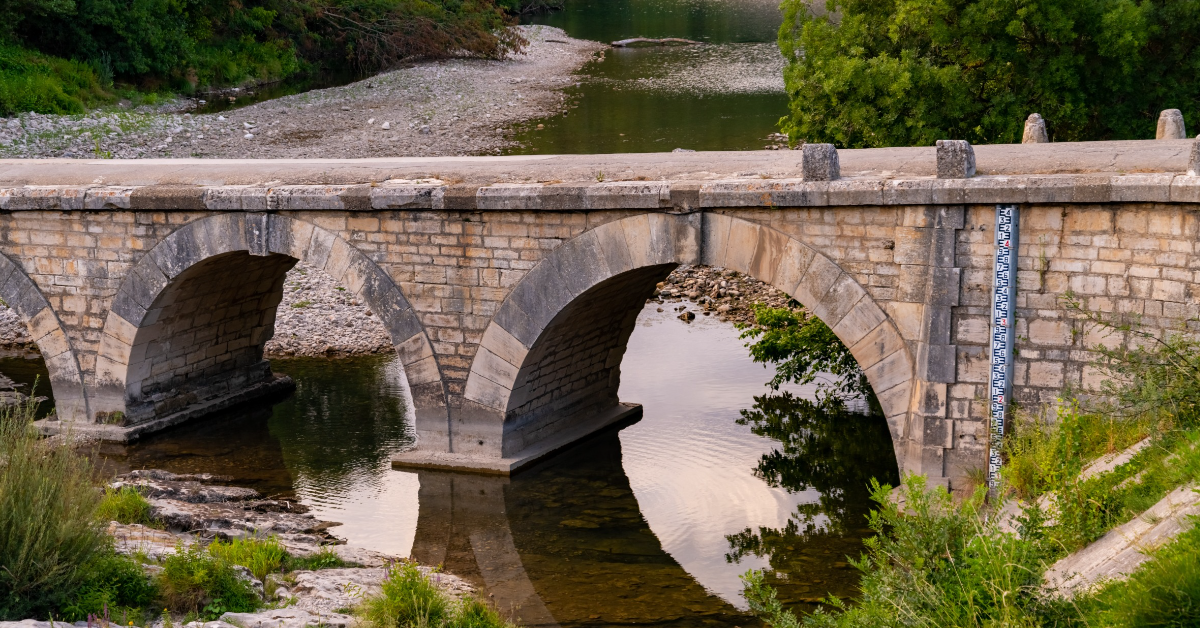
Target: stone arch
{"points": [[256, 250], [66, 379], [523, 331]]}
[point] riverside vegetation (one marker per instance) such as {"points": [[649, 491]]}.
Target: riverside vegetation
{"points": [[869, 73], [60, 563], [64, 56], [935, 561]]}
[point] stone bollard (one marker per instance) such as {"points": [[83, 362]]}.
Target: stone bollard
{"points": [[955, 159], [819, 162], [1035, 130], [1170, 125], [1194, 161]]}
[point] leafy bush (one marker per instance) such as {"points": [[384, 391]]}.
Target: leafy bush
{"points": [[260, 556], [409, 599], [124, 505], [194, 581], [931, 564], [112, 583], [48, 529], [30, 81], [868, 73]]}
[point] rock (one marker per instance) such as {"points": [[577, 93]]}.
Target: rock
{"points": [[386, 125], [287, 618], [687, 316], [724, 309], [130, 539], [1035, 130], [819, 162], [424, 129], [245, 575], [248, 136], [1170, 125], [955, 159]]}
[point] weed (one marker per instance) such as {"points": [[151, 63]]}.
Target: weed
{"points": [[302, 304], [409, 599], [48, 526], [260, 556], [113, 582], [325, 558], [124, 505], [194, 581]]}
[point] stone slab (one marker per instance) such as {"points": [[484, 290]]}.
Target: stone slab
{"points": [[623, 414]]}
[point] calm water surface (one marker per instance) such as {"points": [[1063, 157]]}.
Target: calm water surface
{"points": [[647, 525], [724, 95]]}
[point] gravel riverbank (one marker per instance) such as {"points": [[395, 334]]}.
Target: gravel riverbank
{"points": [[453, 107]]}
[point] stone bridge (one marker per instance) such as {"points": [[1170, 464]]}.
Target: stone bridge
{"points": [[510, 285]]}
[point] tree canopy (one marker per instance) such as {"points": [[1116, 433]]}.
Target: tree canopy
{"points": [[871, 73]]}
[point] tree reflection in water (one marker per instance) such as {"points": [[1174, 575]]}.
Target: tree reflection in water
{"points": [[832, 451]]}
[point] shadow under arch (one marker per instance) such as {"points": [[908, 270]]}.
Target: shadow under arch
{"points": [[535, 383], [66, 378], [187, 327]]}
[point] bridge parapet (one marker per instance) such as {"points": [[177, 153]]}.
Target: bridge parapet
{"points": [[510, 283]]}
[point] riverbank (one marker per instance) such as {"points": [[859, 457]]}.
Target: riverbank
{"points": [[454, 107]]}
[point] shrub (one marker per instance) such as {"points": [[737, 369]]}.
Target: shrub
{"points": [[48, 528], [260, 556], [113, 583], [124, 505], [30, 81], [194, 581], [325, 558], [409, 599]]}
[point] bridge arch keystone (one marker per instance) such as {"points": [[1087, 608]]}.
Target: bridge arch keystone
{"points": [[617, 266], [240, 245]]}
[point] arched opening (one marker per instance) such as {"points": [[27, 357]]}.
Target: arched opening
{"points": [[203, 335], [538, 369], [187, 329]]}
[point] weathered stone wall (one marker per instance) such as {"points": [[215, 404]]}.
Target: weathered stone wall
{"points": [[510, 305]]}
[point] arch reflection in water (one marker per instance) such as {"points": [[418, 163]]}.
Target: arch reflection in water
{"points": [[648, 525]]}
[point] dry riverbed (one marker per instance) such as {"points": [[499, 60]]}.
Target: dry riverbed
{"points": [[454, 107]]}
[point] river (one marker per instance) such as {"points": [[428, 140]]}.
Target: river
{"points": [[648, 525], [726, 94]]}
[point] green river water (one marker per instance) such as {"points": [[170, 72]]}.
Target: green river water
{"points": [[726, 94], [647, 525]]}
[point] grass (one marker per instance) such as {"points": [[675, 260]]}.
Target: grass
{"points": [[260, 556], [938, 563], [31, 81], [409, 599], [48, 529], [194, 581], [124, 505]]}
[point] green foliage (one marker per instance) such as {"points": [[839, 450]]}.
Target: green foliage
{"points": [[30, 81], [868, 73], [325, 558], [409, 599], [932, 563], [113, 583], [124, 505], [803, 349], [1164, 592], [185, 45], [48, 527], [194, 581], [260, 556]]}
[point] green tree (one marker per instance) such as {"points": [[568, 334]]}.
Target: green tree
{"points": [[869, 73]]}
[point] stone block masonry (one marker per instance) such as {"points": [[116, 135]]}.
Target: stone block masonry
{"points": [[509, 302]]}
